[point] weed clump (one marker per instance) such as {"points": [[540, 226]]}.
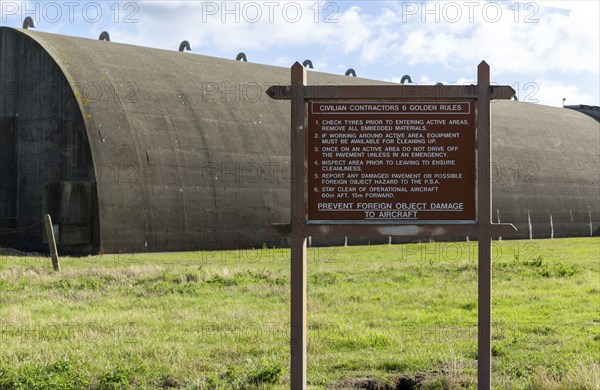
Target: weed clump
{"points": [[60, 375]]}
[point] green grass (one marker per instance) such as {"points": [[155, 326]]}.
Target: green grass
{"points": [[377, 315]]}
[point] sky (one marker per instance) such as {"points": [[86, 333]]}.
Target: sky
{"points": [[546, 50]]}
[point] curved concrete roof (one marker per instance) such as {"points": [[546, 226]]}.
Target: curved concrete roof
{"points": [[548, 160], [186, 135], [188, 149]]}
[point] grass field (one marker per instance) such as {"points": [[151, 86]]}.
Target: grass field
{"points": [[379, 317]]}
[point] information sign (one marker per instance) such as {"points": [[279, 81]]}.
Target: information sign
{"points": [[391, 161]]}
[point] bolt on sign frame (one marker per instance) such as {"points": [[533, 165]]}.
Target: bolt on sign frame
{"points": [[469, 216]]}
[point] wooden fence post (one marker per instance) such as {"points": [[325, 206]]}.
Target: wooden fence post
{"points": [[52, 243]]}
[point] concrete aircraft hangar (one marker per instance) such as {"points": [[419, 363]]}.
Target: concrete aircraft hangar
{"points": [[138, 149]]}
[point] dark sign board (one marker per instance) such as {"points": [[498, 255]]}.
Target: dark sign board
{"points": [[391, 161]]}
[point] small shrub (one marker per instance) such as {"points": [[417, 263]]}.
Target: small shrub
{"points": [[234, 377], [537, 262], [269, 373], [191, 278], [558, 270], [214, 383], [497, 350], [562, 270], [324, 278], [225, 282], [60, 375], [168, 382], [8, 379], [394, 366], [118, 378]]}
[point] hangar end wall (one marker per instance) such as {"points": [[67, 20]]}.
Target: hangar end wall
{"points": [[44, 150]]}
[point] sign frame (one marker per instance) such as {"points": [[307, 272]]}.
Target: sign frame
{"points": [[298, 230]]}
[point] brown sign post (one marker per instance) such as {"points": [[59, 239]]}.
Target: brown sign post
{"points": [[392, 160]]}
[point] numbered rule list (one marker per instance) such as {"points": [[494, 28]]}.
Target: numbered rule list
{"points": [[391, 161]]}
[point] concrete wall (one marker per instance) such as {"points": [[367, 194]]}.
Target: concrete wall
{"points": [[189, 152], [42, 142]]}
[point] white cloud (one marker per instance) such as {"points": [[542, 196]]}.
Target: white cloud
{"points": [[536, 39], [352, 31], [551, 93], [248, 25]]}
